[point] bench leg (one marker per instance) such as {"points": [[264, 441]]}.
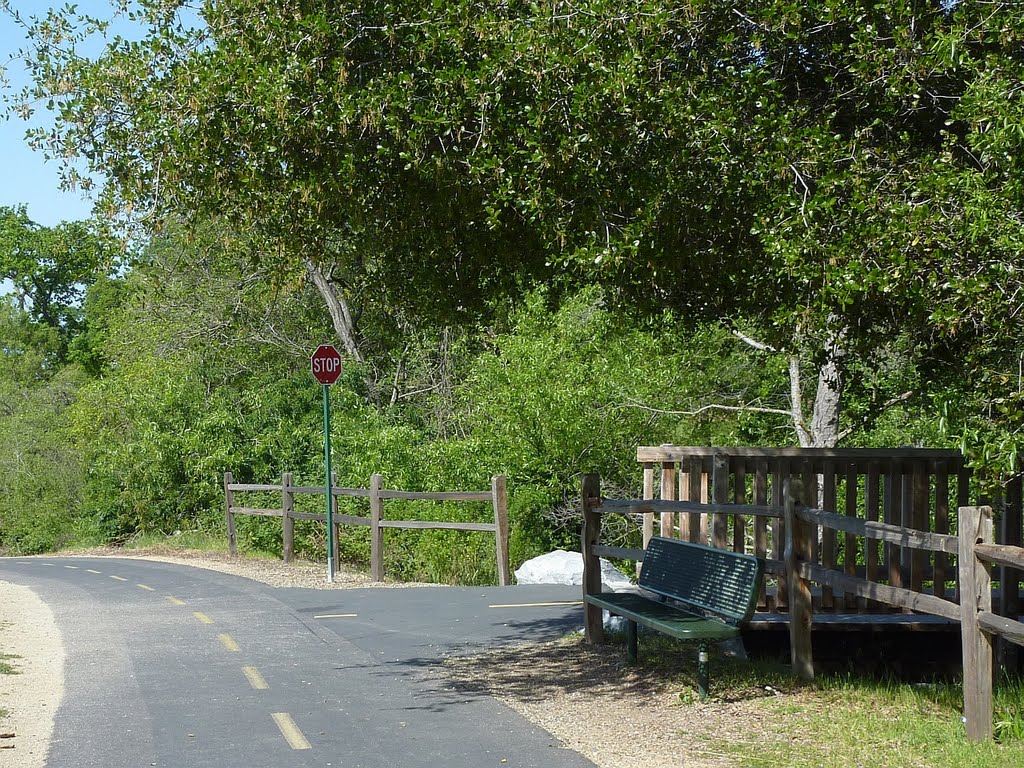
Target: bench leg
{"points": [[631, 653], [703, 685]]}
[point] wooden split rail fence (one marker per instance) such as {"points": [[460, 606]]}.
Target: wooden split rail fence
{"points": [[802, 527], [376, 521]]}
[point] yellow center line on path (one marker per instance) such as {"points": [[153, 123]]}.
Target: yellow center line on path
{"points": [[143, 586], [336, 616], [228, 642], [290, 731], [90, 570], [536, 605], [119, 578], [255, 679], [174, 600], [203, 617]]}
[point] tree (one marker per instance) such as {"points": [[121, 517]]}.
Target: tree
{"points": [[833, 172], [50, 268]]}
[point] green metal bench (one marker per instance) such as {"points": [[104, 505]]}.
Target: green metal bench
{"points": [[703, 593]]}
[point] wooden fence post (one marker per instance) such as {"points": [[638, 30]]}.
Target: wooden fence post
{"points": [[798, 549], [376, 532], [499, 499], [974, 527], [668, 493], [229, 515], [720, 495], [287, 521], [593, 624]]}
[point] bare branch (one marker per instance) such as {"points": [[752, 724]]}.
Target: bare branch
{"points": [[758, 345], [705, 408]]}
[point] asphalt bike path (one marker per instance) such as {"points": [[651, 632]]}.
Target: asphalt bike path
{"points": [[176, 666]]}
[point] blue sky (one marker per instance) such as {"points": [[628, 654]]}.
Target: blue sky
{"points": [[25, 179]]}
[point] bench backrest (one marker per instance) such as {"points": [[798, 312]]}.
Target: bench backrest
{"points": [[714, 580]]}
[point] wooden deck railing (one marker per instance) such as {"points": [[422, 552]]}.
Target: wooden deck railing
{"points": [[804, 526], [906, 487], [376, 493]]}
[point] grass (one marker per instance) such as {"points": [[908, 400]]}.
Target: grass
{"points": [[194, 540], [843, 721], [851, 722], [6, 668]]}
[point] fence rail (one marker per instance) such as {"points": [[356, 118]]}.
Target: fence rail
{"points": [[376, 521]]}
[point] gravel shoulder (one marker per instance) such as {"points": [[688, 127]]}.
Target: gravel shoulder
{"points": [[30, 697], [617, 716]]}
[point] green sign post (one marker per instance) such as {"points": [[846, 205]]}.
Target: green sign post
{"points": [[325, 364]]}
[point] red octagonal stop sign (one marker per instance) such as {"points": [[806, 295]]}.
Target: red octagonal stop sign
{"points": [[325, 364]]}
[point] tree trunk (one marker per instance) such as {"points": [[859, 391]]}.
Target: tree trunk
{"points": [[825, 420], [344, 328], [796, 397], [823, 431]]}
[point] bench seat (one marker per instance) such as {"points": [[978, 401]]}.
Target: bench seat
{"points": [[663, 617]]}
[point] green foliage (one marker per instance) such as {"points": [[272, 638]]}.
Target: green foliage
{"points": [[180, 394], [849, 161], [40, 472], [1009, 724], [49, 269], [670, 172]]}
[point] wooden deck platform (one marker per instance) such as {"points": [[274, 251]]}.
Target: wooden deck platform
{"points": [[858, 622]]}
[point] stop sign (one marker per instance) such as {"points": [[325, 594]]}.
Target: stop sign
{"points": [[325, 364]]}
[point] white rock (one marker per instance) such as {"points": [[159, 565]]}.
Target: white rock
{"points": [[561, 567]]}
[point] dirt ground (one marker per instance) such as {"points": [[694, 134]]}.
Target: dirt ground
{"points": [[30, 640], [616, 715]]}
